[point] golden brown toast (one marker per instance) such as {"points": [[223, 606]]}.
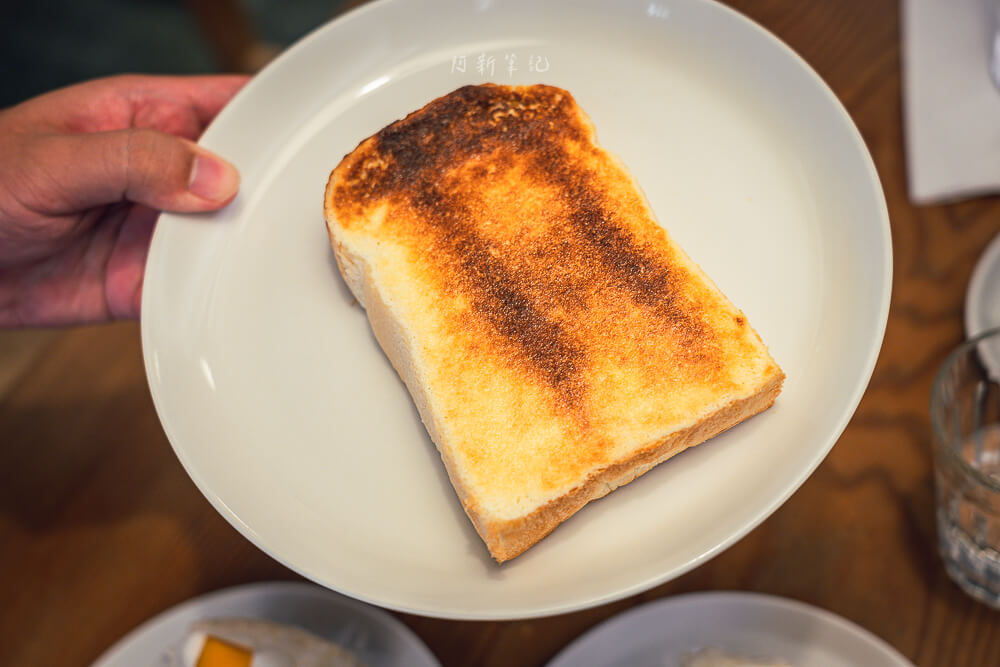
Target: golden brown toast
{"points": [[556, 342]]}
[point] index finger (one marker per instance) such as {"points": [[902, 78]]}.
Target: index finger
{"points": [[205, 95], [131, 100]]}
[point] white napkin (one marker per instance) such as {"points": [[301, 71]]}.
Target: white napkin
{"points": [[951, 104]]}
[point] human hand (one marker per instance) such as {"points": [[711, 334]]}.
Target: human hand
{"points": [[84, 172]]}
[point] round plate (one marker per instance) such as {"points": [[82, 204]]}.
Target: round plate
{"points": [[747, 625], [288, 417], [982, 304], [982, 296], [371, 634]]}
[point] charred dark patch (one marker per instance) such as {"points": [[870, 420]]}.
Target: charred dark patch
{"points": [[540, 340], [407, 159], [648, 281], [472, 121], [497, 295], [637, 271]]}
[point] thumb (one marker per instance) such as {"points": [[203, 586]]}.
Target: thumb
{"points": [[148, 167]]}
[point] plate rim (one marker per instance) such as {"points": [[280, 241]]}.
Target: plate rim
{"points": [[728, 597], [261, 588], [973, 311], [852, 401]]}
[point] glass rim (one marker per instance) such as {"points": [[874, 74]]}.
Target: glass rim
{"points": [[941, 442]]}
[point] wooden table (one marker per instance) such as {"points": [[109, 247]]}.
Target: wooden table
{"points": [[100, 528]]}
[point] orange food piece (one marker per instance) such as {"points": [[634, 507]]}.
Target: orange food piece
{"points": [[219, 653]]}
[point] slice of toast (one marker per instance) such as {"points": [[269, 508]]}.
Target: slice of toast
{"points": [[555, 340]]}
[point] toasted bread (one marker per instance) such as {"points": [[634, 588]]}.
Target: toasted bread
{"points": [[556, 341]]}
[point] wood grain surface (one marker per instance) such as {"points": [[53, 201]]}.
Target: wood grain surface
{"points": [[100, 528]]}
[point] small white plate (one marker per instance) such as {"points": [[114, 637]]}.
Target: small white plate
{"points": [[371, 634], [747, 625], [288, 417], [982, 296], [982, 305]]}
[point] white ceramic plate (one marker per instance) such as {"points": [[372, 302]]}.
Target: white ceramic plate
{"points": [[748, 625], [371, 634], [288, 417], [982, 296], [982, 305]]}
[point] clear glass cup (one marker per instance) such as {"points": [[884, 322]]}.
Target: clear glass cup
{"points": [[965, 415]]}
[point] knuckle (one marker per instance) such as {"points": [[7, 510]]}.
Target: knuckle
{"points": [[155, 162]]}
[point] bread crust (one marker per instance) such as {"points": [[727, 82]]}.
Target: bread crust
{"points": [[507, 539], [512, 321]]}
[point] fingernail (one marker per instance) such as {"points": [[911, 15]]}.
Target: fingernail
{"points": [[213, 178]]}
